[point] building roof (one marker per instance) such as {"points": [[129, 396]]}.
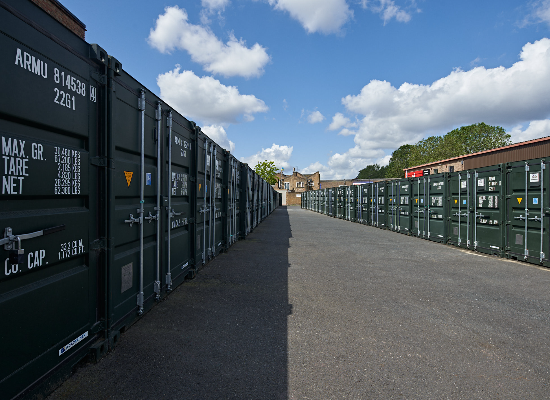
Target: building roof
{"points": [[519, 144]]}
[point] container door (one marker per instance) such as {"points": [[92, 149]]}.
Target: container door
{"points": [[205, 199], [528, 211], [373, 206], [436, 210], [419, 207], [460, 232], [218, 241], [179, 227], [392, 204], [488, 218], [50, 219], [381, 203], [134, 123], [353, 203], [404, 207], [233, 189]]}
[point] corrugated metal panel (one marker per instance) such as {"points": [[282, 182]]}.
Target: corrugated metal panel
{"points": [[527, 152]]}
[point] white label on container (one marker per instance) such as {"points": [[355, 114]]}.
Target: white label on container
{"points": [[70, 345], [534, 177], [481, 182], [463, 184]]}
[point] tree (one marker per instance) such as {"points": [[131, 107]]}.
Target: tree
{"points": [[373, 171], [400, 159], [464, 140], [474, 138], [267, 170]]}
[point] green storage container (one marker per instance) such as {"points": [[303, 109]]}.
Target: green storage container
{"points": [[460, 210], [527, 211], [340, 202], [363, 208]]}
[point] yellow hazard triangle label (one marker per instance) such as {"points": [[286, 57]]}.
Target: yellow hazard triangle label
{"points": [[520, 199], [128, 176]]}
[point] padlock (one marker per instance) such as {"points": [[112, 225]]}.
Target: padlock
{"points": [[16, 256]]}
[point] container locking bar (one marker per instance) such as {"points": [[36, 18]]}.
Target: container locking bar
{"points": [[16, 255]]}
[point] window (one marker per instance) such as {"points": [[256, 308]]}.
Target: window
{"points": [[299, 184], [287, 185], [452, 168]]}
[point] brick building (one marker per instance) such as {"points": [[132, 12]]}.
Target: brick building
{"points": [[62, 15], [292, 186], [528, 150]]}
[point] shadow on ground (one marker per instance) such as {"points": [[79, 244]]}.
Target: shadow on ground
{"points": [[222, 335]]}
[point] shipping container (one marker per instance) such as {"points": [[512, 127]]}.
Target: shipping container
{"points": [[53, 196], [363, 208], [351, 203], [110, 199], [378, 204], [527, 211], [340, 202], [489, 214], [460, 209]]}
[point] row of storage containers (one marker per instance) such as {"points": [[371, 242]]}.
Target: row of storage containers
{"points": [[502, 209], [110, 199]]}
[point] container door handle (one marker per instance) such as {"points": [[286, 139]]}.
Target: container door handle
{"points": [[17, 255]]}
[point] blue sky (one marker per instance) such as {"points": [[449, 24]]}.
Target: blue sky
{"points": [[334, 85]]}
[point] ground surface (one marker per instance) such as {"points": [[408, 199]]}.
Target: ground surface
{"points": [[312, 307]]}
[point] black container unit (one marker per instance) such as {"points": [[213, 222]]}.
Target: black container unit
{"points": [[488, 209], [528, 211], [460, 210], [393, 205], [340, 202], [378, 211], [52, 228], [363, 204], [232, 183], [436, 210], [404, 206]]}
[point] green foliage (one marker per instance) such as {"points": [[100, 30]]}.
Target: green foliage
{"points": [[475, 138], [372, 172], [400, 159], [464, 140], [267, 170]]}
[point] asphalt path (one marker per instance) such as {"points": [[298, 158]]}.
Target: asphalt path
{"points": [[312, 307]]}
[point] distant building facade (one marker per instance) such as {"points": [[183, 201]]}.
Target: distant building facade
{"points": [[528, 150], [292, 186]]}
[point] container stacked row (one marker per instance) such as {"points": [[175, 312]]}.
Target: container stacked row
{"points": [[109, 200], [502, 210]]}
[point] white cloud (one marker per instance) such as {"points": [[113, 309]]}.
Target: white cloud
{"points": [[215, 4], [340, 121], [285, 104], [210, 7], [535, 130], [206, 99], [315, 117], [327, 16], [217, 134], [540, 13], [387, 10], [391, 117], [278, 154], [173, 31]]}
